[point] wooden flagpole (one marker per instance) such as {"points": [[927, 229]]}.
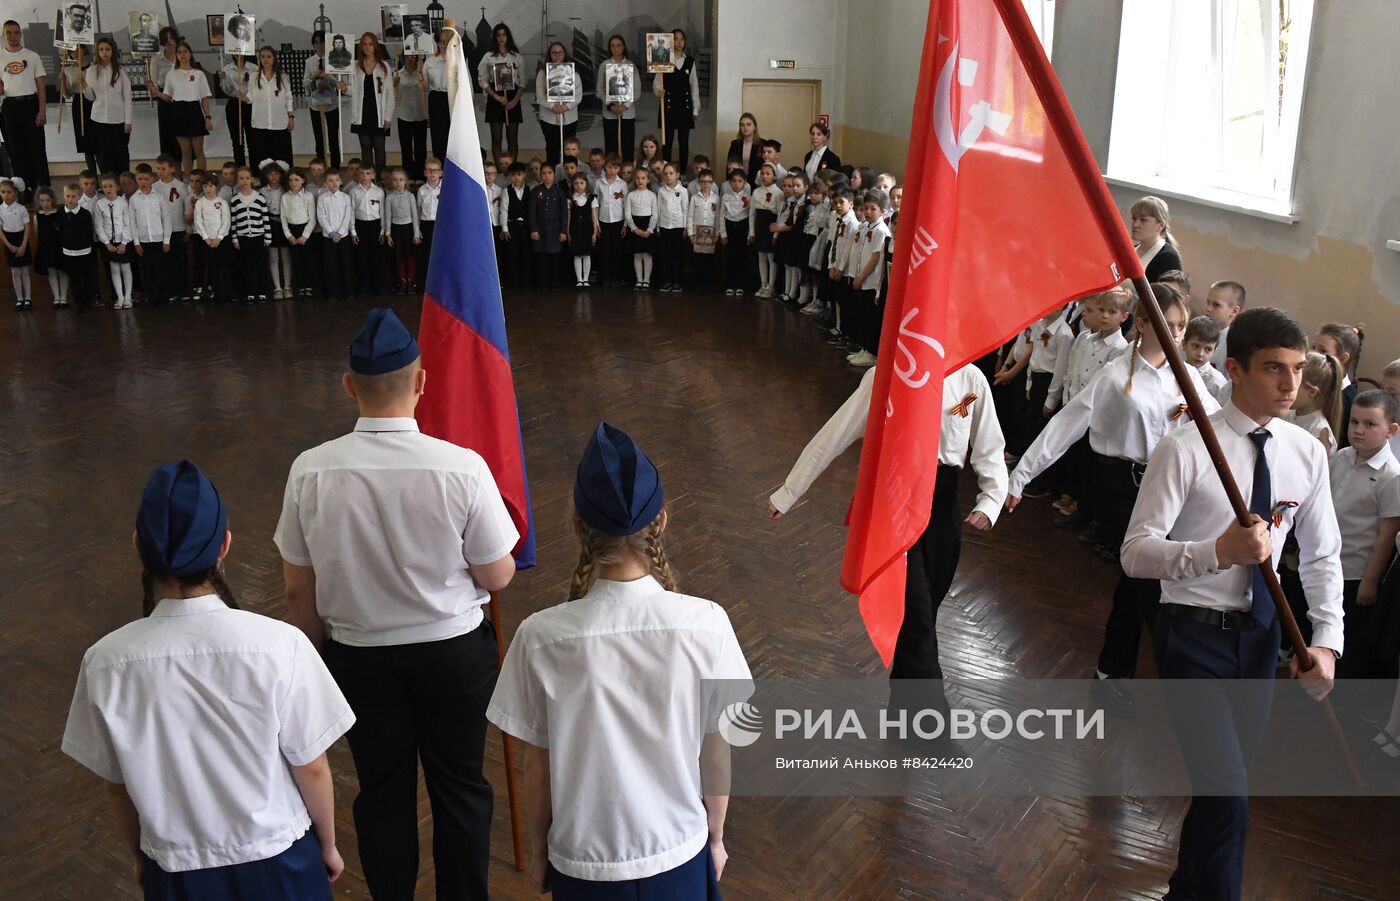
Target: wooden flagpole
{"points": [[1091, 183], [517, 827]]}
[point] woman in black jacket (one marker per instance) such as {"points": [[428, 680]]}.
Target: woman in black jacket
{"points": [[1152, 232], [820, 156], [746, 147]]}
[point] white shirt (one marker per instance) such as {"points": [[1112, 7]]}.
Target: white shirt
{"points": [[1363, 493], [428, 196], [198, 710], [186, 85], [272, 103], [1051, 338], [766, 199], [610, 197], [843, 231], [1089, 353], [1217, 359], [391, 519], [1120, 424], [547, 115], [486, 69], [232, 81], [704, 210], [150, 217], [976, 437], [1316, 425], [298, 208], [212, 218], [18, 69], [111, 222], [334, 213], [173, 193], [368, 202], [111, 103], [629, 110], [383, 84], [1215, 381], [1181, 510], [640, 203], [435, 71], [671, 203], [13, 217], [611, 684], [871, 243], [735, 205]]}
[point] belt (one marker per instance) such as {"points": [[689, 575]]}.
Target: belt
{"points": [[1229, 620]]}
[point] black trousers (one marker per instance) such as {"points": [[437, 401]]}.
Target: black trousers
{"points": [[413, 143], [677, 133], [253, 274], [610, 243], [554, 139], [336, 266], [269, 144], [157, 271], [303, 271], [369, 256], [1033, 423], [439, 121], [327, 140], [212, 269], [179, 260], [111, 147], [82, 271], [169, 144], [670, 254], [930, 566], [1219, 723], [1364, 633], [421, 701], [866, 307], [517, 252], [1135, 601], [425, 250], [736, 254], [611, 143], [24, 141], [239, 139]]}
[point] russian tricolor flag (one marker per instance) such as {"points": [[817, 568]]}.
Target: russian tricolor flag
{"points": [[470, 396]]}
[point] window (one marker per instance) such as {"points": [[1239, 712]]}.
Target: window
{"points": [[1042, 16], [1207, 99]]}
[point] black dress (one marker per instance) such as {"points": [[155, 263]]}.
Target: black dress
{"points": [[369, 105], [581, 225]]}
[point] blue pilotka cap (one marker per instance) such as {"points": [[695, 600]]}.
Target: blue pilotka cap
{"points": [[383, 344], [181, 524], [617, 490]]}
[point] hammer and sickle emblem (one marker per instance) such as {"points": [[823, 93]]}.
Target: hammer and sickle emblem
{"points": [[982, 115], [906, 370]]}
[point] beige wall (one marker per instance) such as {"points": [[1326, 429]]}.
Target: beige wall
{"points": [[1330, 265]]}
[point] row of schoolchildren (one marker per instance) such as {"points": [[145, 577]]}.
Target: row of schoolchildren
{"points": [[232, 236], [1083, 406]]}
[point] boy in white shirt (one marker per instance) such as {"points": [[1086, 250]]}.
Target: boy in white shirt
{"points": [[702, 228], [734, 207], [212, 224], [1224, 301], [335, 216], [1203, 336], [174, 192], [612, 191], [152, 227], [868, 263], [843, 224], [1051, 339]]}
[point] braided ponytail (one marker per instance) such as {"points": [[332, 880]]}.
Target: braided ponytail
{"points": [[656, 553], [585, 573], [597, 549], [213, 577], [1132, 364]]}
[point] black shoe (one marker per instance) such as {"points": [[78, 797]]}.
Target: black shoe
{"points": [[837, 341], [1091, 535], [1106, 553], [1114, 692], [1077, 520], [1034, 493]]}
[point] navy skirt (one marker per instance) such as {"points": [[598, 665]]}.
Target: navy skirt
{"points": [[693, 880], [763, 238], [297, 874]]}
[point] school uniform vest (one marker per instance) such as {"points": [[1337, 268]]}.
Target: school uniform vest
{"points": [[517, 209], [677, 85]]}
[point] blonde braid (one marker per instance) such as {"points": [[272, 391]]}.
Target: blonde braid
{"points": [[584, 575], [656, 552], [1132, 364]]}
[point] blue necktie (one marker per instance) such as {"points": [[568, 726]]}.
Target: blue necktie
{"points": [[1261, 503]]}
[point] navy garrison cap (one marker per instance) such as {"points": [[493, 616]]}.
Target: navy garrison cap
{"points": [[383, 344], [617, 490], [180, 526]]}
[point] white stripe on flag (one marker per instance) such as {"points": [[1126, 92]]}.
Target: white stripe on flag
{"points": [[463, 139]]}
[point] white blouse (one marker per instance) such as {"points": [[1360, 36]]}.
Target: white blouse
{"points": [[639, 203], [111, 103], [186, 85], [272, 101]]}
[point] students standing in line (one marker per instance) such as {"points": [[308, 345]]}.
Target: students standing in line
{"points": [[212, 800], [391, 543]]}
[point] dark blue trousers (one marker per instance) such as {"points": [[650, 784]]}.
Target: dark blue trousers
{"points": [[297, 874], [693, 880], [1219, 723]]}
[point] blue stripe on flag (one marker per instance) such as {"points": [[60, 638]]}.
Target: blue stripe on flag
{"points": [[465, 281]]}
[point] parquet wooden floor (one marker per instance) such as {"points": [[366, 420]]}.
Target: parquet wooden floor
{"points": [[723, 394]]}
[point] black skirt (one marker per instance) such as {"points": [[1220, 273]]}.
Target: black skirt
{"points": [[16, 259], [187, 119], [763, 238], [635, 242], [496, 111], [279, 238]]}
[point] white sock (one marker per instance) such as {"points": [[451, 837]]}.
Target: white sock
{"points": [[794, 282], [20, 278], [578, 268], [637, 265], [58, 283], [646, 267], [286, 254], [587, 267], [765, 261], [126, 282]]}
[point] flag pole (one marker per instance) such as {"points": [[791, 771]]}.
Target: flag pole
{"points": [[517, 828], [1086, 171]]}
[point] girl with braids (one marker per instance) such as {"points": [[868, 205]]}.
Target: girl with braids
{"points": [[1126, 409], [1152, 232], [1317, 406], [213, 799], [1343, 342], [607, 692]]}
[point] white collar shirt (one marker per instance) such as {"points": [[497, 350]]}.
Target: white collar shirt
{"points": [[334, 213], [173, 193], [1121, 424], [1363, 493], [368, 202], [1051, 340], [618, 685], [13, 217], [1089, 353], [391, 520], [428, 196], [671, 203], [272, 103], [735, 205], [1316, 425], [1181, 510], [1217, 359], [150, 217], [198, 710], [704, 209], [970, 433], [111, 103], [111, 221]]}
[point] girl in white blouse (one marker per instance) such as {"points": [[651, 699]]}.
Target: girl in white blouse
{"points": [[500, 73], [1317, 406], [273, 114], [639, 215], [108, 90], [371, 99], [186, 89], [439, 111]]}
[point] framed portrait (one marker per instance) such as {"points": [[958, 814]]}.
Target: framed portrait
{"points": [[214, 25], [60, 32], [240, 34], [417, 36], [340, 58], [78, 26], [143, 27], [659, 47], [503, 77], [617, 83], [704, 239], [391, 18], [559, 80]]}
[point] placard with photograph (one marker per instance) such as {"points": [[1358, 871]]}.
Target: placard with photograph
{"points": [[340, 59], [143, 25], [214, 25], [78, 27], [60, 31], [391, 19], [559, 79], [659, 48], [418, 37], [617, 83], [240, 34], [704, 239], [503, 77]]}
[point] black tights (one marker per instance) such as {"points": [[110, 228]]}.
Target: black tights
{"points": [[512, 133], [372, 152]]}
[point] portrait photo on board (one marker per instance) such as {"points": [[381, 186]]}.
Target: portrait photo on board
{"points": [[559, 82], [78, 27], [214, 27], [418, 38], [659, 52], [240, 34], [340, 59], [617, 83], [143, 27], [503, 77], [392, 16]]}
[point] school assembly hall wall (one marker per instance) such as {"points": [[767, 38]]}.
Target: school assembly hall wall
{"points": [[1332, 264]]}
